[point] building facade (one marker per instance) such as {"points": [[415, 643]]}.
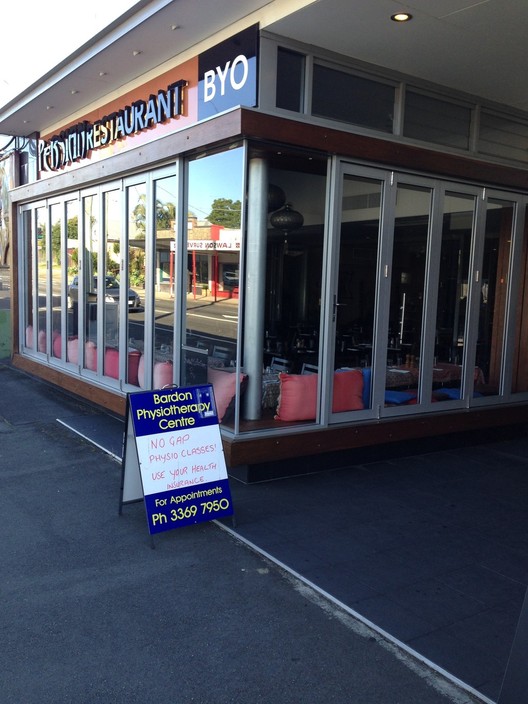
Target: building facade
{"points": [[341, 252]]}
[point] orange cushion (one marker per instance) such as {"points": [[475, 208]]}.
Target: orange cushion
{"points": [[224, 387]]}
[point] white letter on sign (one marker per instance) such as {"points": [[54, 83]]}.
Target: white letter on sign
{"points": [[241, 59], [222, 76], [209, 86]]}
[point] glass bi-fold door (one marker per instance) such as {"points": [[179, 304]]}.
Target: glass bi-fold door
{"points": [[418, 291]]}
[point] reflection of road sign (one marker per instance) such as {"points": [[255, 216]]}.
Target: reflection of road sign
{"points": [[177, 465], [173, 245]]}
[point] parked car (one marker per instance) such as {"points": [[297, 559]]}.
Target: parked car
{"points": [[112, 292], [230, 279]]}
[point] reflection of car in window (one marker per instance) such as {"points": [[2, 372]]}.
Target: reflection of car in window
{"points": [[230, 278], [112, 292]]}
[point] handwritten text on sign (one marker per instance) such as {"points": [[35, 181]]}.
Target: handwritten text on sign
{"points": [[181, 458]]}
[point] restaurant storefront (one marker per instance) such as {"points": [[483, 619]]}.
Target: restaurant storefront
{"points": [[339, 284]]}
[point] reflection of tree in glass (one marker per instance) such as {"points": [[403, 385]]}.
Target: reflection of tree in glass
{"points": [[56, 236], [226, 212], [165, 215]]}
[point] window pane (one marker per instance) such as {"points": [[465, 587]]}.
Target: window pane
{"points": [[132, 283], [358, 260], [503, 137], [520, 364], [165, 203], [407, 291], [89, 280], [30, 245], [72, 220], [437, 121], [290, 79], [453, 293], [56, 275], [42, 277], [348, 98], [213, 263]]}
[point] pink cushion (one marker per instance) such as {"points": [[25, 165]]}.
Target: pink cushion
{"points": [[141, 372], [29, 336], [163, 374], [111, 362], [298, 395], [224, 388], [134, 357], [57, 344], [90, 356], [42, 341], [73, 350], [348, 391]]}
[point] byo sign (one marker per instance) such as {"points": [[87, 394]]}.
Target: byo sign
{"points": [[234, 74]]}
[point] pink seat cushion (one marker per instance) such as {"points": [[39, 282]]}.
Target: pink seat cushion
{"points": [[111, 362], [163, 374], [224, 388], [348, 391], [141, 372], [298, 395], [57, 344], [42, 341], [90, 356], [134, 357], [73, 350]]}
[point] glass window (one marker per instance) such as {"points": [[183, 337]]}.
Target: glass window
{"points": [[83, 290], [493, 295], [42, 278], [503, 137], [290, 80], [56, 277], [72, 253], [407, 291], [165, 234], [111, 282], [213, 249], [520, 360], [355, 305], [453, 291], [437, 121], [349, 98], [30, 246]]}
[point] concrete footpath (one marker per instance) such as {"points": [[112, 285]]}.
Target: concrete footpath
{"points": [[92, 614]]}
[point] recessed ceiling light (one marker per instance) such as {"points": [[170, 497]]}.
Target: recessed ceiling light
{"points": [[73, 92], [136, 52], [102, 73], [174, 27], [401, 17], [49, 107]]}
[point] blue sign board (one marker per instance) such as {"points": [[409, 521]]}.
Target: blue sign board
{"points": [[180, 457], [227, 74]]}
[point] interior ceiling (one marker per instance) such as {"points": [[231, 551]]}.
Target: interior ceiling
{"points": [[473, 46]]}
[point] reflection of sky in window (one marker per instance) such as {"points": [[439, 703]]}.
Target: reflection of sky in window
{"points": [[217, 176]]}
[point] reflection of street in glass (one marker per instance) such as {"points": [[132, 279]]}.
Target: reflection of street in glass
{"points": [[204, 315]]}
